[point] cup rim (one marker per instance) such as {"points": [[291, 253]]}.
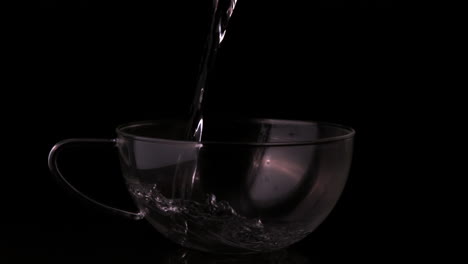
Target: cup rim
{"points": [[350, 134]]}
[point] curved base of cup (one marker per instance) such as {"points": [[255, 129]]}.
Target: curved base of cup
{"points": [[208, 241]]}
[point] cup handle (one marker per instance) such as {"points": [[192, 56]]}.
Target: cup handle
{"points": [[53, 166]]}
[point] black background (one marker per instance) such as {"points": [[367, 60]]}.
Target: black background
{"points": [[320, 3], [278, 61]]}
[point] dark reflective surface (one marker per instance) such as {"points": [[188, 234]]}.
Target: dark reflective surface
{"points": [[173, 256], [194, 257], [111, 249], [89, 236]]}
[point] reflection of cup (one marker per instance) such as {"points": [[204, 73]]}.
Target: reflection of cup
{"points": [[277, 257], [257, 185]]}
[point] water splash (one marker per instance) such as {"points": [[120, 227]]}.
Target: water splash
{"points": [[216, 221]]}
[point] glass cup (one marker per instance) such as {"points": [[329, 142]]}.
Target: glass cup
{"points": [[257, 185]]}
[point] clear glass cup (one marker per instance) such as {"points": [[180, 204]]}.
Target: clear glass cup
{"points": [[258, 185]]}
